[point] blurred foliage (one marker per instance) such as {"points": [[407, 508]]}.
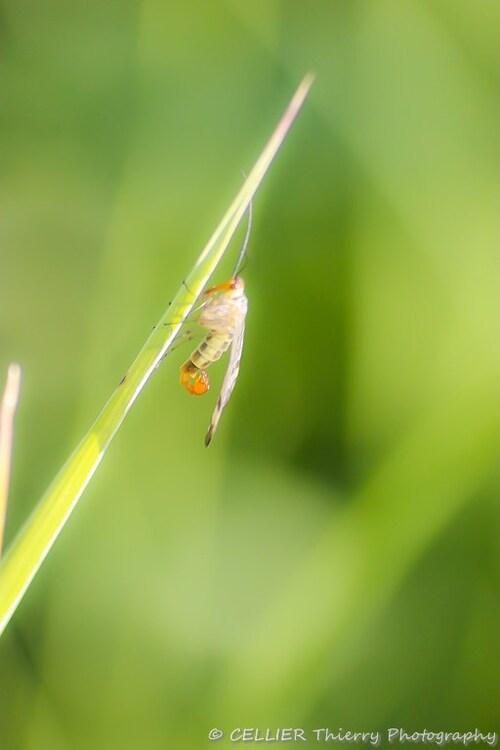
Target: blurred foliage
{"points": [[333, 559]]}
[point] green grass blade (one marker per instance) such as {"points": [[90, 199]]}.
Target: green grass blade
{"points": [[35, 539]]}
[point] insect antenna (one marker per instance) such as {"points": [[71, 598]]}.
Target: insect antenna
{"points": [[242, 257]]}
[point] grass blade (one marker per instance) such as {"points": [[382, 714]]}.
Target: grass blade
{"points": [[35, 539]]}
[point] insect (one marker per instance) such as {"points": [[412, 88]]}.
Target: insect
{"points": [[224, 308]]}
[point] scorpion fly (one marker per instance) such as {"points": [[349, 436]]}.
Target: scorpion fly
{"points": [[223, 313]]}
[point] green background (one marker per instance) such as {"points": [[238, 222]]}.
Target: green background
{"points": [[333, 559]]}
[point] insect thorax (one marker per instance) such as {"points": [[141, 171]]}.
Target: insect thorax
{"points": [[224, 311]]}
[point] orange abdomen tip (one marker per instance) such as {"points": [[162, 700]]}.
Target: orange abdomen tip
{"points": [[201, 384], [195, 381]]}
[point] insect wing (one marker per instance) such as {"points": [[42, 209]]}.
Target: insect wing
{"points": [[230, 377]]}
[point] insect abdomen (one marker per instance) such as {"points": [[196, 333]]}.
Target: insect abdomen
{"points": [[193, 375], [211, 349]]}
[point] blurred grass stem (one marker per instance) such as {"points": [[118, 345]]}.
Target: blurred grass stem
{"points": [[7, 413]]}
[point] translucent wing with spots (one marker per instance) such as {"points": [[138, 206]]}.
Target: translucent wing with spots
{"points": [[230, 376]]}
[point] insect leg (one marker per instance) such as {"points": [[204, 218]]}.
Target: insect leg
{"points": [[181, 339], [192, 314]]}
